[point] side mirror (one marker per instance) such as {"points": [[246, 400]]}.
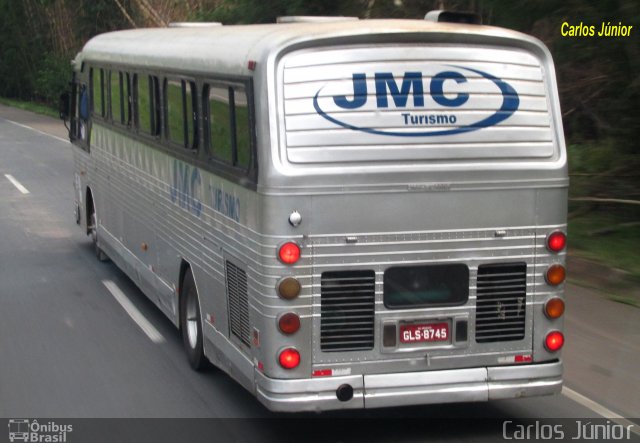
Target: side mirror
{"points": [[65, 106]]}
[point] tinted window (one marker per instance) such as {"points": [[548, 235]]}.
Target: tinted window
{"points": [[220, 123], [420, 286], [97, 91], [181, 115], [115, 101], [144, 104]]}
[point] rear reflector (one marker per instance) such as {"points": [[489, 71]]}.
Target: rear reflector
{"points": [[289, 323]]}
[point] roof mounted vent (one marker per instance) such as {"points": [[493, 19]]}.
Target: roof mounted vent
{"points": [[314, 19], [194, 24], [469, 18]]}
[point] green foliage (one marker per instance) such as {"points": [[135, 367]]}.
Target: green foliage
{"points": [[52, 78]]}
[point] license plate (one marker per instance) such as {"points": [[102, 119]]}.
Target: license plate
{"points": [[430, 332]]}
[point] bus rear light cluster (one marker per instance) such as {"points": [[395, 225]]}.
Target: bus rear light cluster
{"points": [[555, 275], [289, 253], [289, 358], [554, 308], [554, 341], [288, 288], [289, 323], [556, 241]]}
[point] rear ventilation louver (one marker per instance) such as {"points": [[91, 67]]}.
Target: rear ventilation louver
{"points": [[238, 302], [347, 310], [501, 302]]}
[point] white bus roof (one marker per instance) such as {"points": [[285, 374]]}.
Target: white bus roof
{"points": [[227, 49]]}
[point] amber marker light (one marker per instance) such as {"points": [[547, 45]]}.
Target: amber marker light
{"points": [[288, 288], [554, 341], [289, 253], [554, 308], [556, 274]]}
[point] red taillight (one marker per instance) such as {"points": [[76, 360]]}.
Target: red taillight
{"points": [[289, 358], [289, 323], [556, 241], [289, 253], [554, 341]]}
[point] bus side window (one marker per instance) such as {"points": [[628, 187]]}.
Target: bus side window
{"points": [[229, 131], [243, 128], [115, 96], [220, 123], [143, 100], [175, 112], [126, 96], [97, 91], [181, 112]]}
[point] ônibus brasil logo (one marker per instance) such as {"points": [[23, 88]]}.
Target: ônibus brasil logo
{"points": [[413, 84]]}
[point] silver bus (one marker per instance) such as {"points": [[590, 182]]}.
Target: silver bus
{"points": [[338, 214]]}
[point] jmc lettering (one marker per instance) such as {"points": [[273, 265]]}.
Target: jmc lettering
{"points": [[412, 81], [185, 187]]}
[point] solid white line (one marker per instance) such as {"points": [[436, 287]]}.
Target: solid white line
{"points": [[37, 130], [133, 312], [17, 184], [599, 409]]}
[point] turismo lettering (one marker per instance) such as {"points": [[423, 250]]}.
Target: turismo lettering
{"points": [[225, 203]]}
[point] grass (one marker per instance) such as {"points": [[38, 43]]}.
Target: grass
{"points": [[30, 106]]}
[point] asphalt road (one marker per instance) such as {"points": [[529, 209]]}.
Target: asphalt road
{"points": [[68, 348]]}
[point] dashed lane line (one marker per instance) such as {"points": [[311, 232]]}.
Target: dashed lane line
{"points": [[17, 184], [600, 409], [133, 312]]}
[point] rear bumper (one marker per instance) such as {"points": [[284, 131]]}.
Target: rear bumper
{"points": [[411, 388]]}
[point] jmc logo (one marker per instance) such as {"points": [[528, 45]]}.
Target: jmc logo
{"points": [[439, 96]]}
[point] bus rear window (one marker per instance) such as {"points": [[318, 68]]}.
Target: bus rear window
{"points": [[425, 286]]}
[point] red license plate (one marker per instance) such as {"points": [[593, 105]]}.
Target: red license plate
{"points": [[430, 332]]}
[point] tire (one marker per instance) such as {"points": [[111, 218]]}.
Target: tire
{"points": [[93, 232], [191, 324]]}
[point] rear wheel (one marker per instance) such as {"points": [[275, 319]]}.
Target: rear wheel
{"points": [[191, 324]]}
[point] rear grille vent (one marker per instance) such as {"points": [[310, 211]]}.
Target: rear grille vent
{"points": [[238, 302], [501, 302], [347, 310]]}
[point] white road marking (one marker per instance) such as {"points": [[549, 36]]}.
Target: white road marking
{"points": [[599, 409], [133, 312], [17, 184], [37, 130]]}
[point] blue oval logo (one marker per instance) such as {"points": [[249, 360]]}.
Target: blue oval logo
{"points": [[387, 90]]}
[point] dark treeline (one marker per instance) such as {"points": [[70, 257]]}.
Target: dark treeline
{"points": [[599, 78]]}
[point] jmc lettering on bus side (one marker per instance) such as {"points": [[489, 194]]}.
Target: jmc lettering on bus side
{"points": [[185, 187]]}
